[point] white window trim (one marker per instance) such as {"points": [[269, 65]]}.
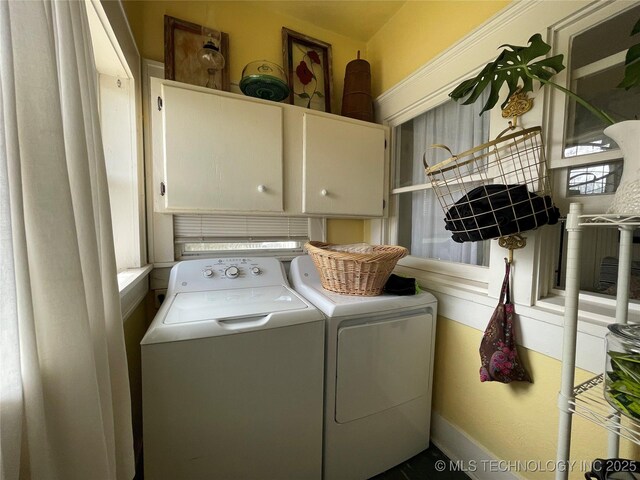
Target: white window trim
{"points": [[159, 225], [541, 321], [561, 35], [133, 282], [119, 46], [597, 66], [539, 327]]}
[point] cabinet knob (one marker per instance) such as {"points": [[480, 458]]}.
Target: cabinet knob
{"points": [[324, 192], [262, 188]]}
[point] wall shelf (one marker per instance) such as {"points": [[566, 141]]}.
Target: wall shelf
{"points": [[609, 220], [587, 399], [589, 403]]}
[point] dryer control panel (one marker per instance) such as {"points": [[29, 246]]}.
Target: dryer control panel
{"points": [[223, 273]]}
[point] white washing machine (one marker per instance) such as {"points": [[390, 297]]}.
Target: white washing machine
{"points": [[232, 376], [378, 376]]}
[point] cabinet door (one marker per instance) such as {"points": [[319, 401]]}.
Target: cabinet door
{"points": [[343, 167], [220, 153]]}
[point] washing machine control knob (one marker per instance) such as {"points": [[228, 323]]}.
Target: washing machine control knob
{"points": [[256, 270], [207, 272], [232, 272]]}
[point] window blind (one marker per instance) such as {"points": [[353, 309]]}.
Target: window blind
{"points": [[191, 227]]}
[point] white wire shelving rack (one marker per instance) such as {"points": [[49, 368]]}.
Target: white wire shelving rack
{"points": [[589, 403], [587, 399]]}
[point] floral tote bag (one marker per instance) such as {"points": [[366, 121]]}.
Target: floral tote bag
{"points": [[498, 354]]}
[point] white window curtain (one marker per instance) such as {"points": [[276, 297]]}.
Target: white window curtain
{"points": [[459, 127], [64, 392]]}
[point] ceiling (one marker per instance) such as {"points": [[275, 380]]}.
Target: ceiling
{"points": [[356, 19]]}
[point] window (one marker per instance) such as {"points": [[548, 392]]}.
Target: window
{"points": [[419, 215], [595, 48], [598, 179], [216, 235], [599, 269], [589, 178], [117, 99], [592, 164], [597, 66], [118, 137]]}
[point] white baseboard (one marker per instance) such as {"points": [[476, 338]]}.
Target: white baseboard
{"points": [[465, 453]]}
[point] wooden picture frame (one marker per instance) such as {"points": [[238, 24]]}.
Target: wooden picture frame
{"points": [[182, 40], [307, 62]]}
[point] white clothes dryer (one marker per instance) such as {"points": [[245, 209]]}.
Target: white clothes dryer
{"points": [[378, 376], [232, 376]]}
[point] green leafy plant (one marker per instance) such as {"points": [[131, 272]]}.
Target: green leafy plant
{"points": [[517, 66], [632, 63]]}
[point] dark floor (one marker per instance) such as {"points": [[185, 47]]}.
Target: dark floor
{"points": [[426, 465]]}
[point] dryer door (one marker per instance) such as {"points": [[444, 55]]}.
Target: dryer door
{"points": [[382, 364]]}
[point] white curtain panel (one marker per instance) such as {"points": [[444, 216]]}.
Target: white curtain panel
{"points": [[460, 127], [65, 404]]}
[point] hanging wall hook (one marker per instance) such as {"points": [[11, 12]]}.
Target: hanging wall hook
{"points": [[512, 242], [517, 105]]}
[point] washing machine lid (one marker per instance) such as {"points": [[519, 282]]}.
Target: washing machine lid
{"points": [[225, 304], [306, 281], [214, 313]]}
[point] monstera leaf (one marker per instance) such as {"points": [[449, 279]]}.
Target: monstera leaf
{"points": [[515, 66], [632, 63]]}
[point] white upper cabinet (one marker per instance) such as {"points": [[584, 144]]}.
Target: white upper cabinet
{"points": [[219, 153], [343, 167]]}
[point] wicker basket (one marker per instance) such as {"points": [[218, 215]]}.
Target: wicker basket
{"points": [[355, 273]]}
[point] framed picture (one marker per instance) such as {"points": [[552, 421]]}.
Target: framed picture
{"points": [[182, 42], [308, 65]]}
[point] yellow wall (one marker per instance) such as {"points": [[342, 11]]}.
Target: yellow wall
{"points": [[418, 32], [345, 231], [135, 326], [254, 34], [516, 421]]}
